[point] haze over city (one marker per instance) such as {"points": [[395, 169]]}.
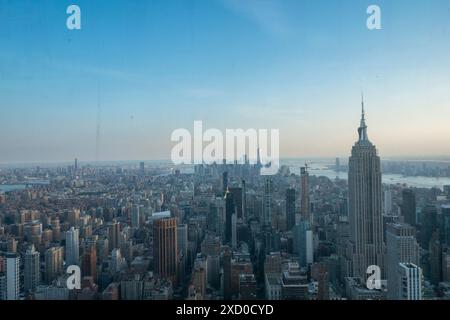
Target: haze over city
{"points": [[137, 70]]}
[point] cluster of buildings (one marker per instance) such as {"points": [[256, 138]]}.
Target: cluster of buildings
{"points": [[223, 231]]}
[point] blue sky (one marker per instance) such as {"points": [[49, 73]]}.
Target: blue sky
{"points": [[157, 65]]}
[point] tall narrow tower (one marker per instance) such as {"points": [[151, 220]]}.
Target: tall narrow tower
{"points": [[305, 203], [365, 205]]}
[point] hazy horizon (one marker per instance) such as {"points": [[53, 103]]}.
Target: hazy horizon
{"points": [[138, 70]]}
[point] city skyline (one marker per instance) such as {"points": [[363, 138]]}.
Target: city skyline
{"points": [[112, 88]]}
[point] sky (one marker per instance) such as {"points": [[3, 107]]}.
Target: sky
{"points": [[139, 69]]}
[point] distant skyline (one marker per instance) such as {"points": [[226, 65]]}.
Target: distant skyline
{"points": [[140, 69]]}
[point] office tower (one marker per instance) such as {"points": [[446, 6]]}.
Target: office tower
{"points": [[165, 247], [31, 269], [53, 264], [410, 282], [290, 208], [408, 208], [323, 292], [429, 220], [303, 245], [445, 212], [12, 276], [237, 198], [402, 247], [114, 235], [227, 291], [305, 202], [234, 231], [338, 165], [142, 168], [213, 271], [387, 202], [135, 217], [435, 259], [224, 182], [72, 247], [267, 216], [117, 261], [89, 262], [365, 205], [182, 239], [230, 208], [244, 201], [102, 250]]}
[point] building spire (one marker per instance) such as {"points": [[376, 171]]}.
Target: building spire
{"points": [[362, 130]]}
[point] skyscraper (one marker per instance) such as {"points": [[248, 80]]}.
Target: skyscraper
{"points": [[402, 247], [303, 245], [267, 214], [224, 182], [410, 282], [305, 204], [135, 217], [31, 269], [230, 209], [89, 262], [365, 205], [53, 263], [165, 247], [408, 208], [113, 235], [12, 276], [290, 208], [72, 247]]}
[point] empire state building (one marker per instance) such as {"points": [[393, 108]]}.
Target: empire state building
{"points": [[366, 247]]}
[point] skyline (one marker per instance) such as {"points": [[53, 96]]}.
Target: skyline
{"points": [[154, 67]]}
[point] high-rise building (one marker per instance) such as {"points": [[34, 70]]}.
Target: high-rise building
{"points": [[224, 182], [72, 247], [12, 276], [31, 273], [323, 292], [429, 225], [290, 208], [244, 201], [73, 217], [135, 217], [234, 231], [387, 202], [227, 257], [165, 247], [445, 212], [303, 245], [89, 262], [410, 282], [230, 209], [53, 263], [142, 168], [237, 198], [408, 208], [402, 247], [114, 235], [365, 205], [267, 209], [305, 202]]}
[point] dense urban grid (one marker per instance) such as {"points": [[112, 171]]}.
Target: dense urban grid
{"points": [[223, 231]]}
